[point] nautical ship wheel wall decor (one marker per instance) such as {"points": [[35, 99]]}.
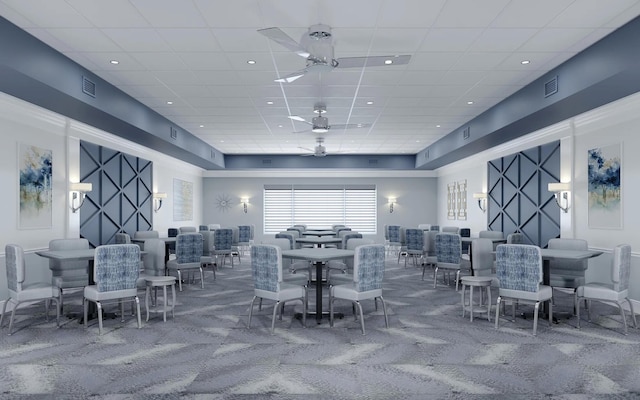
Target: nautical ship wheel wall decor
{"points": [[223, 202]]}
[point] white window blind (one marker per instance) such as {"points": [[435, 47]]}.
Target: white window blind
{"points": [[320, 206]]}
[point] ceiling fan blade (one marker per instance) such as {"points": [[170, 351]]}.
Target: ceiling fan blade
{"points": [[349, 126], [304, 131], [291, 77], [307, 149], [278, 36], [372, 61], [299, 119]]}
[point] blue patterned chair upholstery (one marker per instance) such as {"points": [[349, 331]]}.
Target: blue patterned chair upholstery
{"points": [[188, 256], [394, 239], [615, 292], [435, 228], [19, 291], [208, 247], [244, 238], [202, 228], [449, 256], [223, 245], [266, 269], [414, 244], [116, 271], [368, 273], [519, 271]]}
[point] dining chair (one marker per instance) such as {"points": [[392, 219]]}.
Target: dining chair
{"points": [[482, 258], [123, 238], [223, 245], [394, 239], [208, 250], [450, 229], [414, 245], [429, 256], [294, 267], [116, 271], [567, 273], [22, 292], [202, 228], [519, 271], [188, 257], [244, 238], [187, 229], [368, 274], [449, 256], [515, 238], [68, 275], [266, 270], [614, 292]]}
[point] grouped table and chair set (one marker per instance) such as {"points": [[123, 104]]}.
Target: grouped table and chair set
{"points": [[519, 272]]}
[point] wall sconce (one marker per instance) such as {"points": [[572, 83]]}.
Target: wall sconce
{"points": [[79, 192], [561, 191], [392, 200], [157, 200], [244, 201], [482, 201]]}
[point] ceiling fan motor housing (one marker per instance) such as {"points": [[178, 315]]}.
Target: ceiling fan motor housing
{"points": [[319, 43], [320, 124]]}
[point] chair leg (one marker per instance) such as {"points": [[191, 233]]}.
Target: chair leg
{"points": [[331, 299], [498, 311], [305, 303], [4, 309], [99, 307], [138, 309], [361, 316], [147, 299], [179, 280], [85, 306], [13, 314], [435, 276], [578, 311], [273, 317], [201, 278], [535, 316], [624, 319], [550, 313], [384, 310], [633, 315], [57, 312], [251, 311]]}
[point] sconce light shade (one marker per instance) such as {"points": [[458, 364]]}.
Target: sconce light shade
{"points": [[392, 201], [482, 200], [560, 192], [79, 192], [157, 200], [244, 201]]}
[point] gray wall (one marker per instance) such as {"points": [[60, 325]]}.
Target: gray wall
{"points": [[415, 200]]}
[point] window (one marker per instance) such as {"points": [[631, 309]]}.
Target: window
{"points": [[320, 206]]}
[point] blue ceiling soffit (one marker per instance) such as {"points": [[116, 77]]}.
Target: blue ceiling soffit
{"points": [[607, 71], [386, 162]]}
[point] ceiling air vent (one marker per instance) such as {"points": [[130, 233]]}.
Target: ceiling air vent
{"points": [[173, 133], [88, 87], [466, 133], [551, 87], [213, 154], [426, 154]]}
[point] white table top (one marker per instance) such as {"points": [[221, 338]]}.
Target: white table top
{"points": [[312, 232], [321, 254], [568, 254], [318, 240], [67, 255]]}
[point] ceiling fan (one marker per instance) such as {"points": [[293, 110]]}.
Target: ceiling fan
{"points": [[320, 124], [317, 47], [318, 151]]}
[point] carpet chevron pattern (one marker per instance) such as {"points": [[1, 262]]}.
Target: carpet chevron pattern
{"points": [[428, 352]]}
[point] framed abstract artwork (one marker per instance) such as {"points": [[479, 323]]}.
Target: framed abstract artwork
{"points": [[605, 187], [451, 200], [182, 200], [35, 166]]}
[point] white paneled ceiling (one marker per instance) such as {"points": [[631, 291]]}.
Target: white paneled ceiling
{"points": [[194, 54]]}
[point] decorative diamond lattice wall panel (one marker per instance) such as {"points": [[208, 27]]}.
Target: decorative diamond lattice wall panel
{"points": [[518, 196], [121, 200]]}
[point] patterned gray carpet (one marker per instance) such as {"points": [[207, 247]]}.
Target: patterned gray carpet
{"points": [[428, 352]]}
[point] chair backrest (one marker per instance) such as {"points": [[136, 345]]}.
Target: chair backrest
{"points": [[465, 232], [403, 236], [414, 239], [450, 229], [146, 235], [303, 226], [335, 227], [288, 236], [491, 234], [187, 229], [235, 235], [350, 236], [296, 229], [223, 239], [116, 267], [14, 261], [68, 244], [172, 232], [568, 244], [385, 227], [621, 267], [482, 256], [244, 233], [519, 267], [266, 267], [434, 228], [341, 229], [448, 248], [123, 238], [154, 257], [429, 240], [207, 242], [368, 267], [213, 227], [283, 243], [515, 238], [424, 227], [394, 233], [353, 243], [188, 248], [202, 228]]}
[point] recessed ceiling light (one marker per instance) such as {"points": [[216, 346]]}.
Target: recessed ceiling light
{"points": [[437, 126], [201, 126], [369, 102], [469, 102], [169, 102], [279, 126], [114, 62], [388, 62], [270, 102], [251, 62], [417, 141], [525, 62], [222, 141]]}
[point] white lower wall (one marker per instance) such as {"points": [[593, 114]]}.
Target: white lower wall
{"points": [[21, 122], [617, 122]]}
